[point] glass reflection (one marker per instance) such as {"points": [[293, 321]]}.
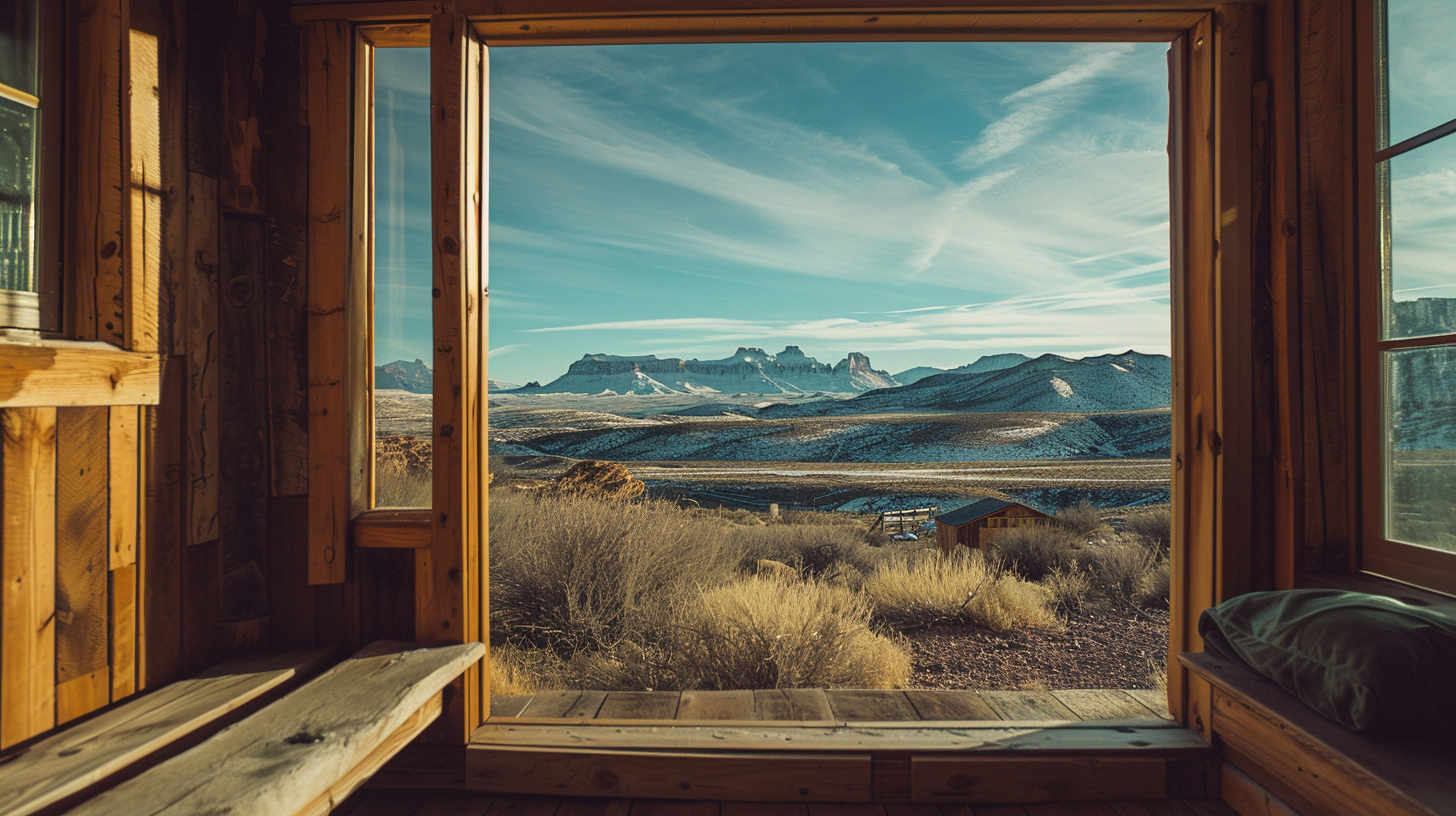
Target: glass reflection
{"points": [[18, 45], [1421, 247], [1422, 90], [17, 197], [1421, 446]]}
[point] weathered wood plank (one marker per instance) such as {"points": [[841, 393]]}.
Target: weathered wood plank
{"points": [[244, 485], [639, 705], [768, 809], [554, 704], [98, 170], [674, 807], [285, 175], [587, 705], [716, 705], [81, 542], [160, 628], [241, 50], [1249, 797], [204, 89], [123, 623], [338, 791], [983, 737], [200, 279], [329, 96], [143, 237], [1155, 700], [764, 777], [27, 572], [74, 760], [1036, 779], [123, 485], [870, 705], [950, 705], [509, 706], [791, 704], [1027, 705], [58, 373], [1102, 704], [301, 745], [201, 601], [82, 695], [292, 605]]}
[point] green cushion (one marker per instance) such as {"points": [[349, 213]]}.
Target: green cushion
{"points": [[1370, 663]]}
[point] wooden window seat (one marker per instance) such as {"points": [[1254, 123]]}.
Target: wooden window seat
{"points": [[301, 753], [1283, 758]]}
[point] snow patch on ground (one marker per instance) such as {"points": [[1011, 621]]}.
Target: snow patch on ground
{"points": [[1062, 387]]}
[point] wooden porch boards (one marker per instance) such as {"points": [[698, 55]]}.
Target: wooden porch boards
{"points": [[830, 706]]}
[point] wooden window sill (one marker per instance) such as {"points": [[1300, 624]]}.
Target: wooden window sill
{"points": [[60, 373]]}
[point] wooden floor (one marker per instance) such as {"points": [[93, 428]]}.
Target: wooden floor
{"points": [[372, 802], [836, 705]]}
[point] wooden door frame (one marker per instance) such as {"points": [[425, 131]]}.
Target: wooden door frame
{"points": [[1217, 205]]}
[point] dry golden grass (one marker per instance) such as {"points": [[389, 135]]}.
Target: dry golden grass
{"points": [[928, 588], [398, 485], [1070, 587], [769, 633], [511, 672], [1154, 525]]}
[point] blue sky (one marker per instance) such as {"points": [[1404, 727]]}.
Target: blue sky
{"points": [[924, 203]]}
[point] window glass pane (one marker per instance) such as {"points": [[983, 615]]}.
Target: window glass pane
{"points": [[403, 317], [1421, 241], [1422, 74], [17, 197], [18, 45], [1421, 446]]}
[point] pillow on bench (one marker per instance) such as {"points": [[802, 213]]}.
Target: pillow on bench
{"points": [[1371, 663]]}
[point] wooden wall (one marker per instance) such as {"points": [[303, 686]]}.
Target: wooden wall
{"points": [[143, 543]]}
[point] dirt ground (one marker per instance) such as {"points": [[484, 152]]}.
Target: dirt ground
{"points": [[1101, 648]]}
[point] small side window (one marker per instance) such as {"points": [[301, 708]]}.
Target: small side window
{"points": [[20, 122]]}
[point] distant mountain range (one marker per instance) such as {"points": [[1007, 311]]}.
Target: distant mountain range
{"points": [[748, 371], [1109, 382], [400, 375], [991, 362]]}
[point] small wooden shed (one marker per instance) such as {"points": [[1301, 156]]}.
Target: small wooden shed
{"points": [[975, 523]]}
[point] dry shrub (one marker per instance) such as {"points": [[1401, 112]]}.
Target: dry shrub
{"points": [[767, 633], [814, 550], [397, 484], [1069, 586], [1155, 526], [1081, 519], [1153, 586], [513, 672], [928, 588], [1131, 572], [576, 574], [605, 480], [1034, 551]]}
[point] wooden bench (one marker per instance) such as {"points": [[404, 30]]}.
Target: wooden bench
{"points": [[301, 754], [1281, 757]]}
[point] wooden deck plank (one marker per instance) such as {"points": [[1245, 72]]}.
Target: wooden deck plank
{"points": [[669, 807], [1151, 807], [765, 809], [551, 704], [639, 705], [1071, 809], [1027, 705], [1102, 704], [716, 705], [867, 705], [1156, 700], [294, 751], [586, 704], [950, 705], [525, 806], [594, 806], [847, 809], [509, 706], [81, 756], [808, 704], [1110, 735]]}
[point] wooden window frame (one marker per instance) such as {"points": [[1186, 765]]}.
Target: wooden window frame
{"points": [[1214, 159], [1379, 555], [108, 260]]}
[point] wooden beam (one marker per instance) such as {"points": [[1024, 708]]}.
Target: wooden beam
{"points": [[200, 280], [876, 26], [97, 184], [330, 49], [1036, 779], [124, 486], [27, 573], [143, 236], [454, 609], [81, 551], [60, 373], [123, 625], [386, 10], [407, 529]]}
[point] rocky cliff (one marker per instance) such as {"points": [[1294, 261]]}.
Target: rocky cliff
{"points": [[748, 371]]}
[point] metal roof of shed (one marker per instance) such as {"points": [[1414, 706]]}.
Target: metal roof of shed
{"points": [[977, 510]]}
